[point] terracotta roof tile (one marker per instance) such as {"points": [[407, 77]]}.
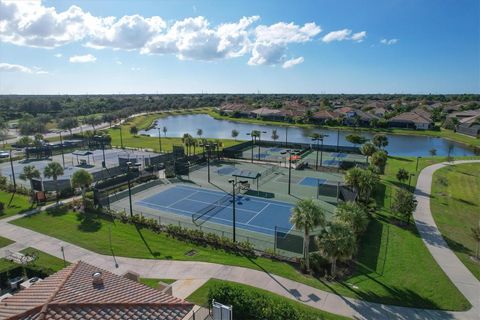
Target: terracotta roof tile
{"points": [[71, 294]]}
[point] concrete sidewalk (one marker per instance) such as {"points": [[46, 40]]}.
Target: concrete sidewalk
{"points": [[192, 274]]}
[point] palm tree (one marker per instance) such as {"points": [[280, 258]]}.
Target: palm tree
{"points": [[368, 149], [235, 134], [337, 242], [353, 215], [30, 172], [306, 216], [476, 237], [199, 133], [275, 135], [82, 179], [380, 141], [53, 170], [355, 139], [165, 131], [368, 182], [379, 160], [402, 175], [352, 178]]}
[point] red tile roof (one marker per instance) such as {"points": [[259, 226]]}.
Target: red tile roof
{"points": [[71, 294]]}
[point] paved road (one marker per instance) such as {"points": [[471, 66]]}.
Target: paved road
{"points": [[201, 271]]}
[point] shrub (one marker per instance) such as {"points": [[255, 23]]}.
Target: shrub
{"points": [[253, 305], [2, 206]]}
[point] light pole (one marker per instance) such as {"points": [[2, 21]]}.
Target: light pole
{"points": [[129, 166], [289, 170], [416, 168], [13, 172], [102, 142], [234, 184], [252, 136], [259, 142], [159, 140], [208, 146], [338, 138], [61, 148]]}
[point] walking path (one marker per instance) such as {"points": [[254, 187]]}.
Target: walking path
{"points": [[194, 273]]}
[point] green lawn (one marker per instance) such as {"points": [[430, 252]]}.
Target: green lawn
{"points": [[455, 206], [44, 260], [393, 265], [20, 203], [153, 283], [143, 122], [5, 242], [200, 297]]}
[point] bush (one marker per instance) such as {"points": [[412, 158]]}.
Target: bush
{"points": [[251, 305], [318, 264], [2, 206]]}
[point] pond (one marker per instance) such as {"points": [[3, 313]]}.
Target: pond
{"points": [[399, 145]]}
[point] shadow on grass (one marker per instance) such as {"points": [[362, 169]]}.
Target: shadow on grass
{"points": [[154, 254], [57, 211], [88, 222]]}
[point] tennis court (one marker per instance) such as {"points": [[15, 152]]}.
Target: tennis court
{"points": [[252, 213]]}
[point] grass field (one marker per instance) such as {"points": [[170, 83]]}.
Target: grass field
{"points": [[5, 242], [143, 122], [44, 261], [20, 203], [393, 266], [455, 205], [200, 297], [153, 283]]}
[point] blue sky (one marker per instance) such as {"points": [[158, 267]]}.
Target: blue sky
{"points": [[77, 47]]}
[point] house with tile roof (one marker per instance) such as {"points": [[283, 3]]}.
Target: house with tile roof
{"points": [[470, 126], [323, 116], [414, 119], [267, 113], [82, 291]]}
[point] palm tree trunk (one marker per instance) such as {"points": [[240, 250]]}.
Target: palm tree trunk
{"points": [[83, 200], [333, 270], [306, 240], [56, 189], [478, 249]]}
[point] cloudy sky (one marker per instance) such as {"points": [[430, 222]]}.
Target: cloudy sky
{"points": [[268, 46]]}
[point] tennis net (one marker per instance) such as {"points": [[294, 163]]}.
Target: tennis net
{"points": [[209, 211], [267, 174]]}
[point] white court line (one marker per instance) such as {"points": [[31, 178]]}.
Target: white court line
{"points": [[258, 213], [256, 199], [212, 218]]}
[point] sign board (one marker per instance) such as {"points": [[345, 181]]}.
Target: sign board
{"points": [[221, 311]]}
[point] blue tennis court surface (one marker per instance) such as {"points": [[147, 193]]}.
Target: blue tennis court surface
{"points": [[340, 155], [312, 182], [252, 213], [333, 163]]}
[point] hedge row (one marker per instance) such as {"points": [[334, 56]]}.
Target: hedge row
{"points": [[252, 305]]}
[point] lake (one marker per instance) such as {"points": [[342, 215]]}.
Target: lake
{"points": [[399, 145]]}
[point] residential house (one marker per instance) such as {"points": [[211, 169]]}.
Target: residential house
{"points": [[379, 112], [239, 109], [464, 114], [469, 125], [347, 112], [415, 119], [267, 113], [324, 116], [82, 291]]}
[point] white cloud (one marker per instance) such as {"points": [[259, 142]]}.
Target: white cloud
{"points": [[193, 38], [292, 62], [82, 59], [359, 36], [337, 35], [30, 23], [388, 42], [271, 41], [129, 32], [58, 55], [8, 67]]}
